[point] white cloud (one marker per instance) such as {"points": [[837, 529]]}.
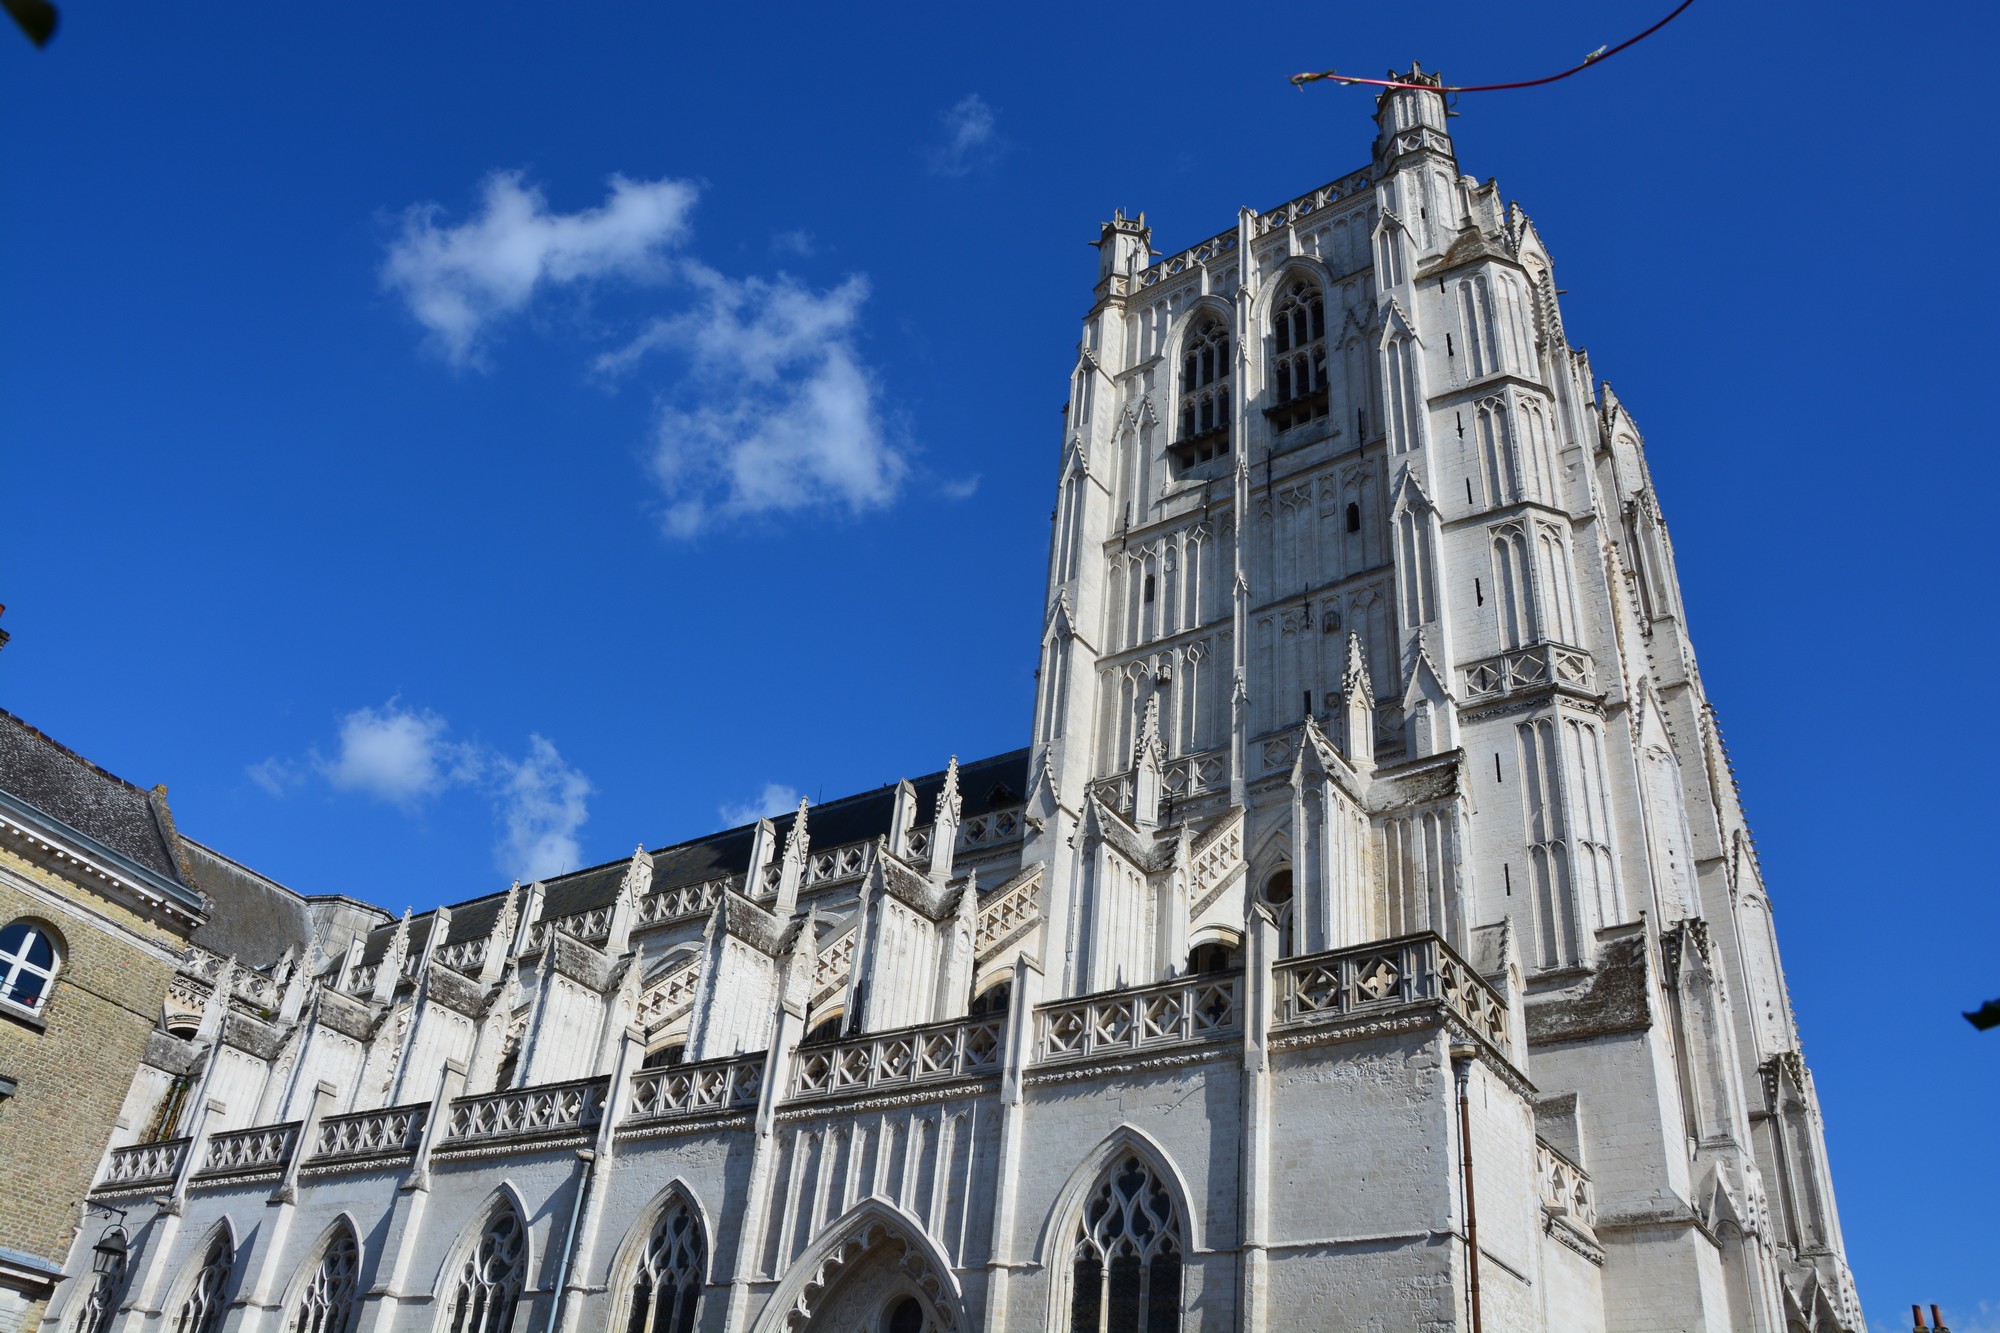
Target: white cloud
{"points": [[459, 280], [405, 756], [775, 799], [771, 408], [777, 413], [394, 754], [970, 137], [798, 242], [959, 488], [541, 800]]}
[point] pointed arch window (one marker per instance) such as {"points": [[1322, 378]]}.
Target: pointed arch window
{"points": [[1127, 1256], [202, 1310], [107, 1286], [1298, 368], [327, 1303], [490, 1280], [667, 1287], [1204, 432]]}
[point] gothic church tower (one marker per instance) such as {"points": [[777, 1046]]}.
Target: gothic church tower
{"points": [[1352, 556]]}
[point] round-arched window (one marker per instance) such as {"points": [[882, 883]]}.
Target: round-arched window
{"points": [[29, 961], [1278, 888]]}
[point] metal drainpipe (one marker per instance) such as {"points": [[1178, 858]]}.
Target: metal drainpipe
{"points": [[1461, 1059], [584, 1158]]}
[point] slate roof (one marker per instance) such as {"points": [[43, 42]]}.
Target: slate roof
{"points": [[983, 785], [254, 918], [68, 788]]}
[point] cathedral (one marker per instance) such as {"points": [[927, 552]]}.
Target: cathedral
{"points": [[1368, 935]]}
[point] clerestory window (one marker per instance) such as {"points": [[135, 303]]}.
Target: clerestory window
{"points": [[1127, 1255], [1298, 367], [1204, 431], [29, 961], [667, 1287]]}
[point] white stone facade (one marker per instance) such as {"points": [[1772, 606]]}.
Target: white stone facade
{"points": [[1370, 936]]}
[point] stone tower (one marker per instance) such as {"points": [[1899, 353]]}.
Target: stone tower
{"points": [[1349, 540]]}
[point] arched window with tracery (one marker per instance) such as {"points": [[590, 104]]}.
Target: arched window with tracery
{"points": [[202, 1309], [667, 1286], [326, 1305], [30, 957], [1298, 366], [491, 1277], [1204, 430], [1128, 1255], [107, 1286]]}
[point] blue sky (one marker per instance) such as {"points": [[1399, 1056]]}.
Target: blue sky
{"points": [[337, 355]]}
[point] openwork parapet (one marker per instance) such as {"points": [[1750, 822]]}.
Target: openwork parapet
{"points": [[1566, 1191], [245, 1151], [1530, 668], [1189, 1009], [144, 1163], [934, 1054], [390, 1131], [1349, 982], [553, 1108], [694, 1089]]}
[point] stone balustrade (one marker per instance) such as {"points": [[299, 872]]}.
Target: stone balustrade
{"points": [[389, 1131], [935, 1053], [1195, 774], [1566, 1190], [684, 1090], [139, 1164], [681, 902], [248, 1151], [1173, 1013], [552, 1108], [1531, 668], [1416, 969], [465, 956], [1011, 911]]}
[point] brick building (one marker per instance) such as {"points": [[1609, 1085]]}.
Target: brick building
{"points": [[95, 914]]}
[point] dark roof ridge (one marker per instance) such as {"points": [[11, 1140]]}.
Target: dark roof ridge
{"points": [[817, 808]]}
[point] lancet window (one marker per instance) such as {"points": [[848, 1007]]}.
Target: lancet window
{"points": [[202, 1310], [327, 1303], [1127, 1257], [1204, 430], [490, 1280], [667, 1287], [1513, 587], [1298, 339]]}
